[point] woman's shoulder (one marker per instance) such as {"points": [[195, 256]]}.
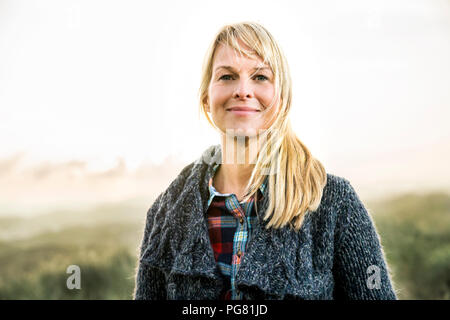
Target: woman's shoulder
{"points": [[338, 196], [336, 187], [194, 170], [190, 176], [340, 189], [175, 188], [342, 203]]}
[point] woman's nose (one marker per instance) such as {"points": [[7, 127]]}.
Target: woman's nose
{"points": [[243, 89]]}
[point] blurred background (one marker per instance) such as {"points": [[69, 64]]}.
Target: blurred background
{"points": [[99, 113]]}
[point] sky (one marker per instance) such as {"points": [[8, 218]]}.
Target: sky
{"points": [[113, 85]]}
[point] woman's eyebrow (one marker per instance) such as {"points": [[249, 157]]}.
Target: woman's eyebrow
{"points": [[233, 70]]}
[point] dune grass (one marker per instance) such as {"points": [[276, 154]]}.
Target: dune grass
{"points": [[414, 230]]}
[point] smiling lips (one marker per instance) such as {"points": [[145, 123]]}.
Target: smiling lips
{"points": [[242, 110]]}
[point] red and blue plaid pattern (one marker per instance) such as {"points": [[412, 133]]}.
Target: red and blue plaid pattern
{"points": [[230, 226]]}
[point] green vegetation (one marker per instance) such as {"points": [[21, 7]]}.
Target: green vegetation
{"points": [[105, 250], [104, 242], [415, 233]]}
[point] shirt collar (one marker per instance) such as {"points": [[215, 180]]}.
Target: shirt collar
{"points": [[213, 192]]}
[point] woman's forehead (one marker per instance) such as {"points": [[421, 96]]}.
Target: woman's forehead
{"points": [[227, 56]]}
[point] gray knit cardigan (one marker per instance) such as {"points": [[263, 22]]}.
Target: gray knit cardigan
{"points": [[336, 254]]}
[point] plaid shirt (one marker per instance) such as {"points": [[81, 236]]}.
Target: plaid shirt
{"points": [[230, 225]]}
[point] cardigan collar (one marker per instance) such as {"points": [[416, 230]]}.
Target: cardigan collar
{"points": [[213, 192], [180, 244]]}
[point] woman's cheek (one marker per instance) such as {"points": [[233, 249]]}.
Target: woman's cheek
{"points": [[220, 95], [266, 93]]}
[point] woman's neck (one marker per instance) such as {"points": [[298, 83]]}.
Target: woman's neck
{"points": [[238, 161]]}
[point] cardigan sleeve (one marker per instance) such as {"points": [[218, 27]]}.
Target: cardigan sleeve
{"points": [[360, 268], [150, 281]]}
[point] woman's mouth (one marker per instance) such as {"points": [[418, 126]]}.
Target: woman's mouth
{"points": [[242, 110]]}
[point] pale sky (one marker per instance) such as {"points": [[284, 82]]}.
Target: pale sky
{"points": [[103, 80]]}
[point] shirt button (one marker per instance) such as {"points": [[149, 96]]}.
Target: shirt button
{"points": [[241, 220], [239, 253]]}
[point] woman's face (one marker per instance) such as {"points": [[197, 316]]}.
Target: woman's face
{"points": [[239, 95]]}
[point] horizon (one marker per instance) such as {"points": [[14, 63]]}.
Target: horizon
{"points": [[31, 189]]}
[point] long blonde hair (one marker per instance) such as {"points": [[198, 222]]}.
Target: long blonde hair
{"points": [[296, 178]]}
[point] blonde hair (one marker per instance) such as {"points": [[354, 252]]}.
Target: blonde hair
{"points": [[296, 179]]}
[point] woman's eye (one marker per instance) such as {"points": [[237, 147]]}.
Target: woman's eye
{"points": [[226, 77], [261, 77]]}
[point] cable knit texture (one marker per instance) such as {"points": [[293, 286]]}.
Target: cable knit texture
{"points": [[337, 253]]}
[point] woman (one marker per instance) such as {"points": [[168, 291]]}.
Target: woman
{"points": [[257, 217]]}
